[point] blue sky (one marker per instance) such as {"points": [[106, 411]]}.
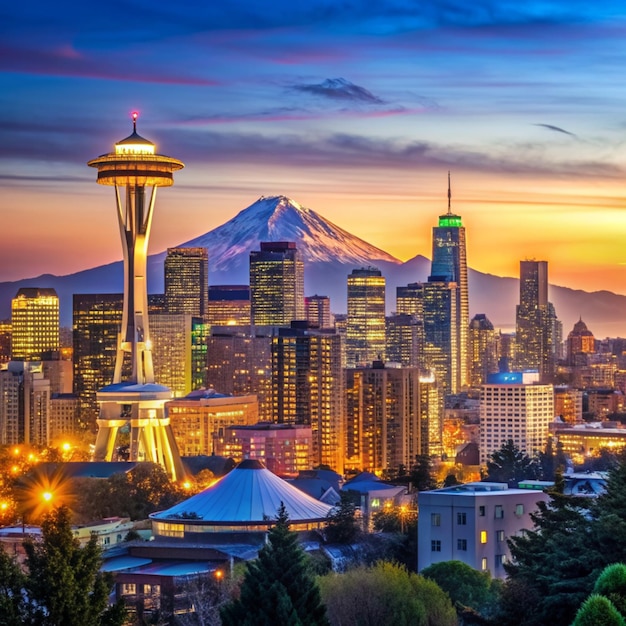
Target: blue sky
{"points": [[354, 109]]}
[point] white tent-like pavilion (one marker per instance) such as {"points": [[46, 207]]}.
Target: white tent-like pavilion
{"points": [[246, 499]]}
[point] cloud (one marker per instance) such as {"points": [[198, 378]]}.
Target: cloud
{"points": [[556, 129], [340, 89]]}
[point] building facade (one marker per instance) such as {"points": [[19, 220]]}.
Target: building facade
{"points": [[472, 523], [317, 311], [276, 284], [201, 418], [308, 388], [35, 324], [284, 449], [484, 350], [383, 418], [537, 329], [240, 363], [229, 305], [365, 323], [187, 281], [515, 406], [25, 406]]}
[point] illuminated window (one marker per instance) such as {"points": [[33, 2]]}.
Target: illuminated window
{"points": [[483, 564], [499, 535], [435, 519], [483, 536]]}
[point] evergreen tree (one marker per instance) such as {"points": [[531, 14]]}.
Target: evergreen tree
{"points": [[278, 587], [421, 474], [64, 584], [598, 611], [553, 563], [13, 604], [341, 523], [612, 585], [509, 465]]}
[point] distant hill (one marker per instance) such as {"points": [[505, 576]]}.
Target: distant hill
{"points": [[330, 253]]}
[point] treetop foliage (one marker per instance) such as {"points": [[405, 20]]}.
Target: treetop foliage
{"points": [[278, 587]]}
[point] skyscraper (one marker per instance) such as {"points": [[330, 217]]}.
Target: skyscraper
{"points": [[308, 388], [186, 281], [440, 353], [133, 168], [449, 265], [484, 343], [537, 329], [276, 284], [35, 324], [365, 324]]}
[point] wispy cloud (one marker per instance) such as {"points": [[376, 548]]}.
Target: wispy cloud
{"points": [[556, 129], [339, 89]]}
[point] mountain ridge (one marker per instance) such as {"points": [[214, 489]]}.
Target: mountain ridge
{"points": [[330, 253]]}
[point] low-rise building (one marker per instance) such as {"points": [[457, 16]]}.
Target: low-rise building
{"points": [[472, 522]]}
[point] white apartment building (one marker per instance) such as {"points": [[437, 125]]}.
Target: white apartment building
{"points": [[471, 523], [513, 405]]}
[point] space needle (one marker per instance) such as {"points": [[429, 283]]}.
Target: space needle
{"points": [[135, 171]]}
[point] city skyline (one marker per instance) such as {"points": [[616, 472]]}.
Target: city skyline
{"points": [[355, 112]]}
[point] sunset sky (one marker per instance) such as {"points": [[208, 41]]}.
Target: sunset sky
{"points": [[355, 109]]}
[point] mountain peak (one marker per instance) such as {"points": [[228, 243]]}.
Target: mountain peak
{"points": [[279, 218]]}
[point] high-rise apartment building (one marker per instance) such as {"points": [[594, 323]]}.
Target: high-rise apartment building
{"points": [[317, 311], [172, 352], [537, 329], [515, 406], [308, 388], [187, 281], [229, 305], [365, 323], [449, 265], [276, 284], [25, 406], [383, 417], [240, 363], [5, 341], [484, 344], [35, 324]]}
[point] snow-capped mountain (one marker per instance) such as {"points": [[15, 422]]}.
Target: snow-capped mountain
{"points": [[278, 218]]}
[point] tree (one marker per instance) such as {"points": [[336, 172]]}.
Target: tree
{"points": [[598, 611], [13, 603], [385, 594], [509, 465], [612, 585], [555, 563], [278, 587], [421, 474], [341, 523], [64, 583], [466, 586]]}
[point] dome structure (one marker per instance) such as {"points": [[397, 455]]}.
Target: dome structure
{"points": [[246, 499]]}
